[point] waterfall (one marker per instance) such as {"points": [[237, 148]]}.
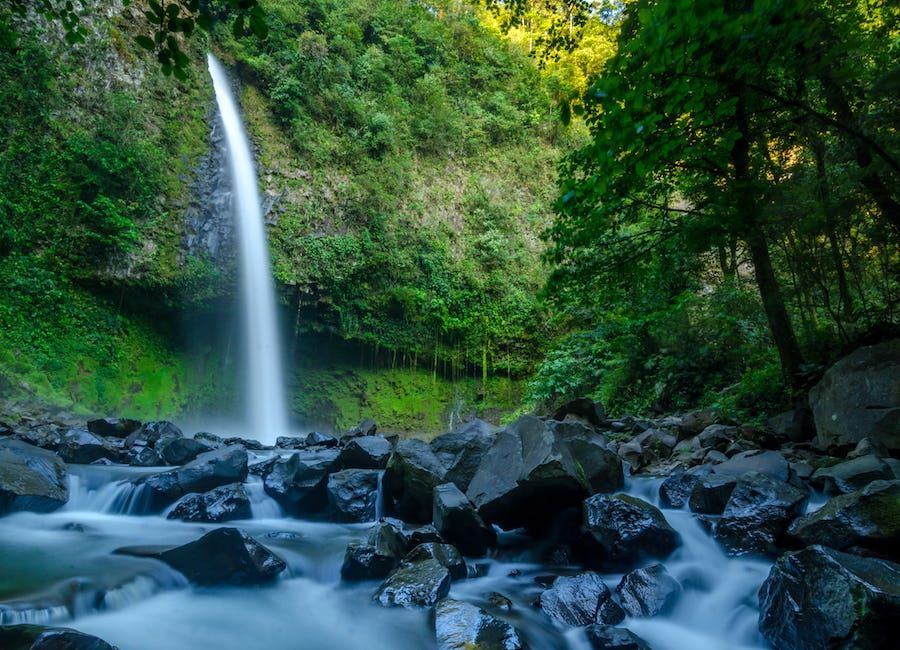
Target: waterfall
{"points": [[264, 381]]}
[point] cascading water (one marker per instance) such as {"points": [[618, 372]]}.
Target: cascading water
{"points": [[266, 405]]}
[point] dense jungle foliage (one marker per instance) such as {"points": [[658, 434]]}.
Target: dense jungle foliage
{"points": [[475, 207]]}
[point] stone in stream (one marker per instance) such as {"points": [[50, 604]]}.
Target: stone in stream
{"points": [[30, 478], [607, 637], [38, 637], [461, 450], [580, 600], [711, 493], [224, 503], [178, 451], [81, 447], [866, 519], [822, 598], [446, 554], [648, 591], [770, 463], [298, 483], [290, 442], [318, 439], [458, 523], [413, 472], [206, 472], [144, 457], [583, 409], [153, 434], [224, 556], [851, 475], [425, 534], [382, 553], [113, 427], [534, 470], [859, 396], [623, 529], [462, 626], [415, 585], [758, 514], [675, 491], [370, 452], [352, 494]]}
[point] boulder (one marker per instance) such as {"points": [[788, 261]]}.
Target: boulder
{"points": [[319, 439], [648, 591], [770, 463], [425, 534], [462, 450], [531, 473], [446, 554], [37, 637], [868, 446], [80, 446], [224, 556], [113, 427], [457, 522], [290, 442], [141, 457], [711, 493], [365, 428], [382, 553], [30, 478], [717, 436], [412, 473], [851, 475], [178, 451], [695, 422], [623, 529], [758, 514], [795, 425], [584, 409], [675, 491], [352, 494], [461, 626], [607, 637], [822, 598], [152, 434], [414, 585], [206, 472], [866, 519], [859, 396], [370, 452], [224, 503], [580, 600], [299, 483]]}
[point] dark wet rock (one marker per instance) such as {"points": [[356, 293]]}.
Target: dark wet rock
{"points": [[113, 427], [299, 483], [582, 408], [659, 442], [37, 637], [224, 556], [865, 519], [389, 539], [714, 457], [462, 626], [80, 446], [770, 463], [636, 456], [224, 503], [262, 468], [695, 422], [152, 434], [758, 514], [795, 425], [717, 436], [31, 478], [206, 472], [210, 439], [319, 439], [607, 637], [499, 602], [648, 591], [851, 475], [859, 396], [711, 493], [352, 494], [370, 452], [822, 598], [458, 523], [675, 491], [623, 529], [446, 554], [531, 473], [580, 600], [462, 450], [144, 457], [290, 442], [867, 447], [425, 534], [416, 585], [178, 451], [412, 473], [364, 562], [246, 443]]}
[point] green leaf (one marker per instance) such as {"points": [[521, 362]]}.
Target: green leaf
{"points": [[258, 26], [145, 42], [237, 29]]}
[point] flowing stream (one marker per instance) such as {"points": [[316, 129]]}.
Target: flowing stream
{"points": [[60, 569], [264, 379]]}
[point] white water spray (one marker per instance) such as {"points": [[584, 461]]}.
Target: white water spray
{"points": [[264, 383]]}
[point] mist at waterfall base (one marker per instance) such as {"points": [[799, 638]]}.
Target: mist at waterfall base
{"points": [[264, 379], [147, 606]]}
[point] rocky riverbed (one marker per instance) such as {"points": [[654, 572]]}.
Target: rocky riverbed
{"points": [[567, 531]]}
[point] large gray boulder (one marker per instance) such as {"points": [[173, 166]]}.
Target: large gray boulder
{"points": [[352, 494], [459, 625], [225, 503], [648, 591], [37, 637], [851, 475], [866, 519], [206, 472], [367, 452], [461, 451], [375, 559], [415, 585], [859, 396], [822, 598], [30, 478], [80, 446], [457, 522], [411, 476], [299, 483], [580, 600]]}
